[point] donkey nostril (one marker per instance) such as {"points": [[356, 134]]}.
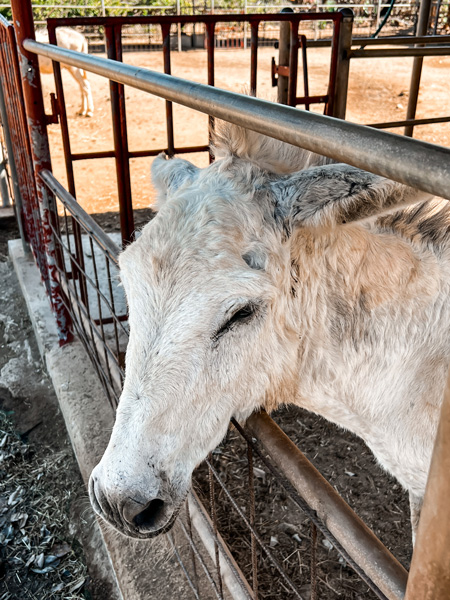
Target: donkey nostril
{"points": [[149, 517]]}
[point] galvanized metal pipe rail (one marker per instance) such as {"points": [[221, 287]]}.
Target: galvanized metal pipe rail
{"points": [[418, 164]]}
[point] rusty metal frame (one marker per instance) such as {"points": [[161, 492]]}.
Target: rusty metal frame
{"points": [[27, 124], [419, 164], [113, 38]]}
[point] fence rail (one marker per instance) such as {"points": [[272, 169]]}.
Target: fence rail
{"points": [[419, 164]]}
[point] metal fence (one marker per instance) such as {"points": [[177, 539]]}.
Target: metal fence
{"points": [[368, 16], [83, 261]]}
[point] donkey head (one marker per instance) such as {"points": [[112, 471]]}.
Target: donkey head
{"points": [[213, 321]]}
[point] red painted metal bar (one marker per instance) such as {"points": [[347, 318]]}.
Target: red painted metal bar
{"points": [[207, 19], [165, 29], [293, 63], [61, 107], [210, 40], [302, 40], [40, 152], [140, 153], [312, 100], [112, 36], [20, 143], [329, 108], [254, 25]]}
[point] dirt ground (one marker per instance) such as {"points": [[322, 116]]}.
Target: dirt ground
{"points": [[44, 517], [378, 92]]}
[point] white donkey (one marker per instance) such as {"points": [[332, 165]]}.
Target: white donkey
{"points": [[71, 40], [263, 280]]}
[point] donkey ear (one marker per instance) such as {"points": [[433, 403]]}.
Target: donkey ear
{"points": [[336, 194], [168, 175]]}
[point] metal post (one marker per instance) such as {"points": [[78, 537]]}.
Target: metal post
{"points": [[416, 73], [343, 63], [284, 50], [179, 26], [22, 14], [245, 25], [122, 158], [436, 21], [429, 576], [103, 8], [378, 14]]}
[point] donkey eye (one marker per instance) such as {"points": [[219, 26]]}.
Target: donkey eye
{"points": [[243, 315]]}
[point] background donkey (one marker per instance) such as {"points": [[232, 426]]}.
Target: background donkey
{"points": [[270, 277], [71, 40]]}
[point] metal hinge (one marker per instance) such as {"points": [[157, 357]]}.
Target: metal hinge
{"points": [[278, 70]]}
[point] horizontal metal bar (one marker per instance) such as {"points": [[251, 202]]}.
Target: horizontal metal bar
{"points": [[409, 122], [216, 18], [404, 40], [91, 227], [138, 153], [312, 99], [343, 523], [185, 150], [88, 155], [419, 164], [394, 52]]}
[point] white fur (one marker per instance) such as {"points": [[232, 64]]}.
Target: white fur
{"points": [[351, 317], [70, 39]]}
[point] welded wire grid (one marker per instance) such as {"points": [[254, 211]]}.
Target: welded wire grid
{"points": [[88, 274]]}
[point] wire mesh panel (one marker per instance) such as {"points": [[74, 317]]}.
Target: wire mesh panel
{"points": [[17, 126]]}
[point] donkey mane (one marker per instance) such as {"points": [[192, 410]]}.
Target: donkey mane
{"points": [[267, 153]]}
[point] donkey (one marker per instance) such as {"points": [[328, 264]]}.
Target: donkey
{"points": [[274, 276], [70, 39]]}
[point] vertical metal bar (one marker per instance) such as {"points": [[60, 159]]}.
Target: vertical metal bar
{"points": [[22, 148], [245, 25], [253, 56], [378, 15], [436, 21], [78, 273], [251, 489], [113, 47], [178, 27], [313, 570], [31, 84], [416, 73], [210, 42], [293, 64], [305, 69], [429, 576], [193, 559], [283, 58], [331, 91], [343, 63], [165, 29], [212, 498]]}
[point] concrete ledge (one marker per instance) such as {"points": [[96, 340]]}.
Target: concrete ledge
{"points": [[138, 570]]}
